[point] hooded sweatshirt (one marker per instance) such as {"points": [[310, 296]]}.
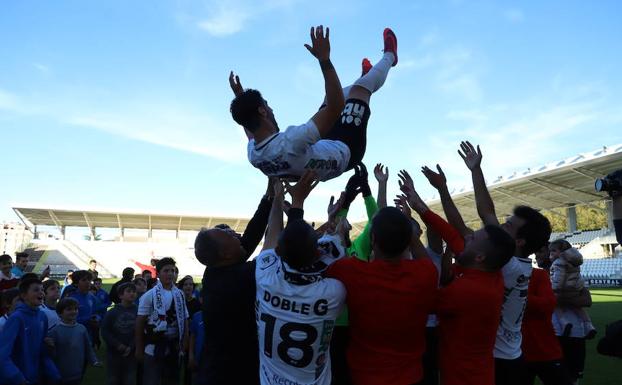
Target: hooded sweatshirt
{"points": [[23, 355]]}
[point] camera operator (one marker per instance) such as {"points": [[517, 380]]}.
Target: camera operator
{"points": [[612, 184]]}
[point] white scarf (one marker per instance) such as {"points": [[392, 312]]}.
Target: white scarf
{"points": [[158, 317]]}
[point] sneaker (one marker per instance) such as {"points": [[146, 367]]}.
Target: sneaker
{"points": [[366, 66], [390, 43]]}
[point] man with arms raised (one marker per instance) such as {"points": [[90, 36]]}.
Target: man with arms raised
{"points": [[329, 143], [389, 300], [230, 356], [296, 305], [530, 230]]}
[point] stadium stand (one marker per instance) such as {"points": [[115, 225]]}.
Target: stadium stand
{"points": [[605, 268]]}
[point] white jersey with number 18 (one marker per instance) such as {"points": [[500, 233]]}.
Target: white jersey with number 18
{"points": [[516, 275], [296, 315]]}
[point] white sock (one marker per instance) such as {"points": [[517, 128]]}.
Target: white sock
{"points": [[346, 92], [374, 79]]}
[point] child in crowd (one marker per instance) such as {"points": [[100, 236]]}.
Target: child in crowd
{"points": [[71, 345], [187, 286], [102, 295], [566, 281], [51, 290], [87, 311], [118, 333], [7, 279], [23, 356], [197, 340], [162, 328], [141, 288], [8, 301]]}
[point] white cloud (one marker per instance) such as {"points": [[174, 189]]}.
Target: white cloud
{"points": [[225, 21], [172, 128], [514, 137], [514, 15], [8, 101], [163, 123], [228, 17], [455, 76], [41, 67]]}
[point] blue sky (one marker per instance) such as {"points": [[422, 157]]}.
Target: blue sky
{"points": [[124, 105]]}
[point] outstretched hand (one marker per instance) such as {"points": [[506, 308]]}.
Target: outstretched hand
{"points": [[407, 186], [320, 43], [381, 172], [234, 83], [301, 190], [472, 157], [401, 202], [437, 180], [334, 207]]}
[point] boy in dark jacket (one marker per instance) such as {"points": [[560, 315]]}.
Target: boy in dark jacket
{"points": [[118, 333], [23, 355]]}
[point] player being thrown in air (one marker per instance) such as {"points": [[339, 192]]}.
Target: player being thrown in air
{"points": [[334, 139]]}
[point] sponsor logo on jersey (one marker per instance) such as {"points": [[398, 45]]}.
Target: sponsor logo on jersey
{"points": [[322, 164]]}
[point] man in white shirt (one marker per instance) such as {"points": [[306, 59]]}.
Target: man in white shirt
{"points": [[297, 306], [162, 328], [531, 230], [334, 139]]}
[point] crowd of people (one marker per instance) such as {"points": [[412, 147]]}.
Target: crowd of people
{"points": [[316, 306]]}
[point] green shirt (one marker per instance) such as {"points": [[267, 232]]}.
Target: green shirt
{"points": [[361, 246]]}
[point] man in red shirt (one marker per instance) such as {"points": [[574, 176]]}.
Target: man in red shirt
{"points": [[389, 300], [541, 349], [469, 308]]}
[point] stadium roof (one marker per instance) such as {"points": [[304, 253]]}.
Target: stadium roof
{"points": [[97, 218], [59, 217], [558, 184]]}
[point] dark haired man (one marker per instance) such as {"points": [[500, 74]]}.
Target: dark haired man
{"points": [[395, 289], [470, 307], [296, 305], [126, 276], [162, 328], [328, 143], [530, 230], [21, 261]]}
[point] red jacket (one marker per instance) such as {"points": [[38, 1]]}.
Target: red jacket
{"points": [[539, 340]]}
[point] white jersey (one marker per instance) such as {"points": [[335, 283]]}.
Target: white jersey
{"points": [[297, 149], [516, 275], [296, 315]]}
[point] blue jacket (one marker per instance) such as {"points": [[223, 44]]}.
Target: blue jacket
{"points": [[87, 307], [103, 303], [23, 355]]}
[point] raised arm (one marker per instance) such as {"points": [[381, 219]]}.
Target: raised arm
{"points": [[301, 190], [275, 224], [485, 207], [454, 239], [256, 227], [382, 176], [417, 249], [320, 48], [236, 87], [439, 182]]}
